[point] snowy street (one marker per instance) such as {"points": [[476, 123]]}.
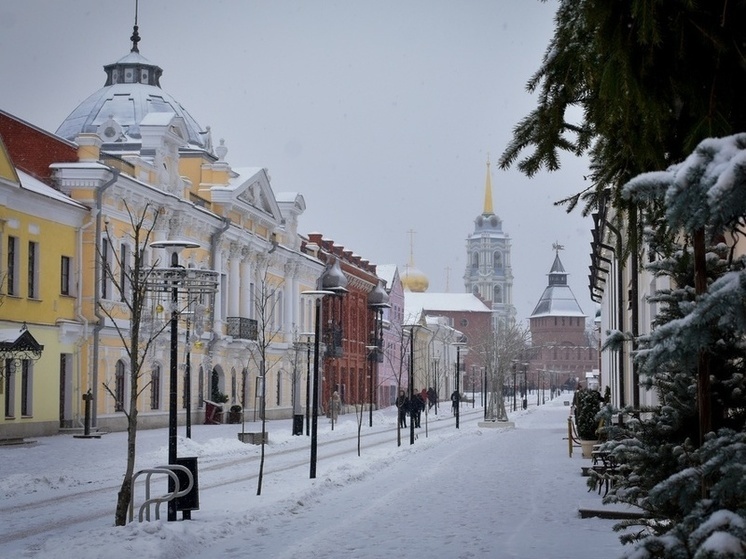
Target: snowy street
{"points": [[472, 492]]}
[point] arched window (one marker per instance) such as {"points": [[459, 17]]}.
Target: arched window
{"points": [[119, 386], [475, 260], [497, 295], [155, 388], [475, 290], [497, 259], [234, 392], [215, 393], [279, 388]]}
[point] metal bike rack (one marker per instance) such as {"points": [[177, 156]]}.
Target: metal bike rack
{"points": [[170, 471]]}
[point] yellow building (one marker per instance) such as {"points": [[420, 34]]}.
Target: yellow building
{"points": [[140, 154], [39, 240]]}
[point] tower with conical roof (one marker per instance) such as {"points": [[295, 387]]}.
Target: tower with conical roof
{"points": [[488, 273], [563, 350]]}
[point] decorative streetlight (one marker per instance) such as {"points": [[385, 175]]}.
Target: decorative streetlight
{"points": [[331, 282], [317, 296], [177, 280], [460, 347], [308, 336], [378, 300], [514, 365]]}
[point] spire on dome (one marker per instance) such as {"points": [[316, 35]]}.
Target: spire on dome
{"points": [[135, 35], [488, 210]]}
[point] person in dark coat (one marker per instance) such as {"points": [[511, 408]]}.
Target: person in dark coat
{"points": [[416, 407], [432, 397], [455, 398], [402, 404]]}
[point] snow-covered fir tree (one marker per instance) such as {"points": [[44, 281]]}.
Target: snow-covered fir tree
{"points": [[694, 494]]}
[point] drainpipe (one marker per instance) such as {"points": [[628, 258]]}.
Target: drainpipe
{"points": [[635, 305], [80, 317], [100, 318], [214, 243]]}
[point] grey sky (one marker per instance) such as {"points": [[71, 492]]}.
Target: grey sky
{"points": [[381, 113]]}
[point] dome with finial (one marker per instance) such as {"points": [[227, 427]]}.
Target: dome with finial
{"points": [[411, 278], [414, 280], [131, 91]]}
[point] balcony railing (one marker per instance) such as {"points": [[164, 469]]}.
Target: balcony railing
{"points": [[240, 328]]}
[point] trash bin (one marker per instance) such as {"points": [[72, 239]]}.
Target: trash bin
{"points": [[190, 501], [297, 424]]}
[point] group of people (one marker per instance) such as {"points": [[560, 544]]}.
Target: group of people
{"points": [[415, 406]]}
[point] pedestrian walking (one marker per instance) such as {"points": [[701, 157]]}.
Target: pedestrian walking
{"points": [[402, 404], [432, 397], [415, 408], [455, 398]]}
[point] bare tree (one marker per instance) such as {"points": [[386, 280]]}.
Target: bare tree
{"points": [[127, 279], [398, 364], [267, 304], [501, 350]]}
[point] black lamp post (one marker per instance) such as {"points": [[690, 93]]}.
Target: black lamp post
{"points": [[514, 366], [525, 386], [332, 282], [317, 295], [411, 384], [460, 346], [308, 335], [176, 279], [378, 300]]}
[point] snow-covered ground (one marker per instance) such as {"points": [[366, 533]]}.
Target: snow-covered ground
{"points": [[471, 492]]}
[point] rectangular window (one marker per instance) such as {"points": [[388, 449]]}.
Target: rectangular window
{"points": [[105, 269], [12, 265], [124, 285], [26, 388], [33, 270], [65, 275], [10, 392]]}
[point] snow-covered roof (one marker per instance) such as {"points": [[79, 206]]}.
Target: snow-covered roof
{"points": [[557, 299], [444, 302], [35, 185]]}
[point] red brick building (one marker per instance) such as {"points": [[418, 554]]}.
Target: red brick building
{"points": [[563, 348], [347, 326]]}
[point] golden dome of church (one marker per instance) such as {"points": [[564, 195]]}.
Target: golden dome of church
{"points": [[414, 280]]}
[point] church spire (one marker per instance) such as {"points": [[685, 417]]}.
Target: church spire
{"points": [[135, 35], [488, 210]]}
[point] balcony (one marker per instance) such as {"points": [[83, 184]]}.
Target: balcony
{"points": [[240, 328]]}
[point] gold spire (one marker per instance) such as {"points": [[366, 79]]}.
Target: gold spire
{"points": [[488, 192]]}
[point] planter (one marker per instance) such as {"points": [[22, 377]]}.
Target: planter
{"points": [[586, 447], [253, 437]]}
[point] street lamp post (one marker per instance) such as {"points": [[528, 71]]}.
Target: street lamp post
{"points": [[175, 280], [514, 366], [317, 296], [525, 386], [308, 336], [411, 384], [378, 300], [460, 347]]}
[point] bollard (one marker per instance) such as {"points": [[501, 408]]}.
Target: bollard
{"points": [[87, 398]]}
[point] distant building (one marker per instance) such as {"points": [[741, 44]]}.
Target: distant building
{"points": [[563, 349], [488, 273], [465, 314]]}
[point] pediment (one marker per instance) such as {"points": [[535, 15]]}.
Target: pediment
{"points": [[249, 189]]}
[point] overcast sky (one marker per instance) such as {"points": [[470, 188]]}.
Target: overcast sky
{"points": [[381, 113]]}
